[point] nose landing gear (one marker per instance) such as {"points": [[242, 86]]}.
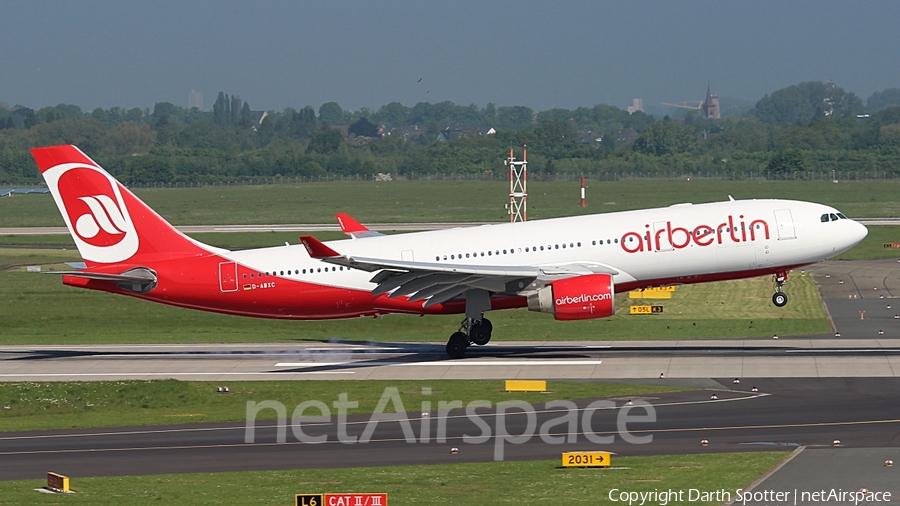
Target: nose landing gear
{"points": [[780, 299]]}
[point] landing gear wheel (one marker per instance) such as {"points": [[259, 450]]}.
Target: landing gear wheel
{"points": [[780, 299], [456, 346], [480, 334]]}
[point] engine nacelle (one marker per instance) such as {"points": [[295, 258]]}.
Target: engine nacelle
{"points": [[578, 298]]}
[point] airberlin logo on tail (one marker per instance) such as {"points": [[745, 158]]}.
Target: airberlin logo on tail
{"points": [[664, 236], [94, 211], [104, 216]]}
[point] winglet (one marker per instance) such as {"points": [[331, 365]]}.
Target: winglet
{"points": [[349, 225], [354, 228], [316, 248]]}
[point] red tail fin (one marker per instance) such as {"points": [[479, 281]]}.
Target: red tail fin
{"points": [[108, 223]]}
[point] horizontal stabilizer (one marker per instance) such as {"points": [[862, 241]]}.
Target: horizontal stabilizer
{"points": [[140, 275]]}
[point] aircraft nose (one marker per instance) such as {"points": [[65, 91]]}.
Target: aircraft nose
{"points": [[859, 232]]}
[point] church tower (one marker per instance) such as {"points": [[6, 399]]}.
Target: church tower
{"points": [[710, 108]]}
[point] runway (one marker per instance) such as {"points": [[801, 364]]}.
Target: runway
{"points": [[784, 414], [784, 358]]}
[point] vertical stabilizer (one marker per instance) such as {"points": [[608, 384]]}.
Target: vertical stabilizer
{"points": [[109, 224]]}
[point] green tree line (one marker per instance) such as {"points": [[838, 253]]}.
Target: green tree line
{"points": [[811, 126]]}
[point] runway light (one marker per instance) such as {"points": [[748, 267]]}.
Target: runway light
{"points": [[662, 375], [881, 296], [863, 491], [425, 414], [888, 306], [629, 403], [754, 389], [888, 462], [704, 442], [828, 275], [880, 332], [841, 282], [775, 336], [736, 381], [837, 334], [876, 288], [714, 397], [836, 442], [454, 450], [897, 316]]}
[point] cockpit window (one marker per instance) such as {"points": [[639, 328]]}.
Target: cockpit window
{"points": [[841, 216], [834, 217], [824, 218]]}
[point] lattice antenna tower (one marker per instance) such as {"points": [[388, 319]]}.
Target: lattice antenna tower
{"points": [[518, 186]]}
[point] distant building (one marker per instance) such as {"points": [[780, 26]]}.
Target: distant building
{"points": [[195, 99], [449, 134], [452, 134], [590, 137], [407, 132], [710, 108], [637, 105], [625, 134]]}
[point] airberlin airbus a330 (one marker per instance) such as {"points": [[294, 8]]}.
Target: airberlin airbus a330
{"points": [[568, 267]]}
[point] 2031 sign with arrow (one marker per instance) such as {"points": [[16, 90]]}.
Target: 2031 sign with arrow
{"points": [[586, 459]]}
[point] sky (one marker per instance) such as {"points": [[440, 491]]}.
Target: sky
{"points": [[541, 54]]}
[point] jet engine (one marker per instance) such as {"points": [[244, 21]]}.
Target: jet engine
{"points": [[578, 298]]}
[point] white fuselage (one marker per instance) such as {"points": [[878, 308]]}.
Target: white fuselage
{"points": [[678, 244]]}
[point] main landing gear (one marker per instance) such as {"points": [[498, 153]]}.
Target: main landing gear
{"points": [[475, 329], [780, 299], [470, 332]]}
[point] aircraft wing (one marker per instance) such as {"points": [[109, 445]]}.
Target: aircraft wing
{"points": [[439, 282]]}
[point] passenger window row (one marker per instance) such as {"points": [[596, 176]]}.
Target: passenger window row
{"points": [[296, 272], [510, 251]]}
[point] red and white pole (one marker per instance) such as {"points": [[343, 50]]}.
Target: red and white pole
{"points": [[582, 192]]}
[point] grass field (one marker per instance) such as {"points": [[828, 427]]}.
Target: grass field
{"points": [[64, 405], [494, 483], [457, 201]]}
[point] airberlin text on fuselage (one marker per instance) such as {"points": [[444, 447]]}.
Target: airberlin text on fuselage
{"points": [[730, 231]]}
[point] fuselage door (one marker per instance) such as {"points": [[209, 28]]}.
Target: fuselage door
{"points": [[228, 277], [785, 223]]}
